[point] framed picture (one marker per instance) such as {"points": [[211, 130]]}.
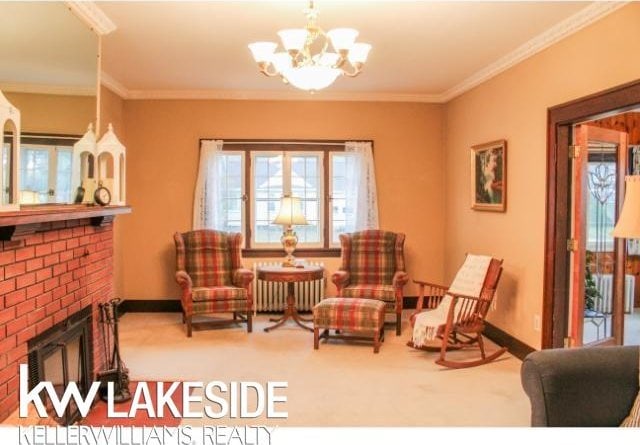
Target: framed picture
{"points": [[489, 176]]}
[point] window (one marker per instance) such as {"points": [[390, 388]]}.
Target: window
{"points": [[253, 177], [45, 173], [601, 205], [45, 168]]}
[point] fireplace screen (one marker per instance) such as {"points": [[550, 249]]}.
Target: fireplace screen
{"points": [[61, 355]]}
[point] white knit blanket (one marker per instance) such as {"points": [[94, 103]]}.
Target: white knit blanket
{"points": [[468, 281]]}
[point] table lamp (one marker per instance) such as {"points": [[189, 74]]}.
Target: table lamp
{"points": [[290, 214], [628, 225]]}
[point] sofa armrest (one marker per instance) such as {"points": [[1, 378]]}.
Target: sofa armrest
{"points": [[340, 278], [242, 277], [581, 387]]}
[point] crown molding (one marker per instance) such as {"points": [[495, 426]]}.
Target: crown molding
{"points": [[93, 16], [112, 84], [583, 18], [59, 90]]}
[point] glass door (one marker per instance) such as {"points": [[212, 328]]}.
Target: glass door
{"points": [[597, 278]]}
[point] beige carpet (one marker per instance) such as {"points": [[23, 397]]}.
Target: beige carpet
{"points": [[341, 384]]}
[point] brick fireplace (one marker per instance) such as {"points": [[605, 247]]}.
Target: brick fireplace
{"points": [[45, 277]]}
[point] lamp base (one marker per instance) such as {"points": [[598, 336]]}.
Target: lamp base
{"points": [[289, 241]]}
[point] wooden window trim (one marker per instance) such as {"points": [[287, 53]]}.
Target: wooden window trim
{"points": [[318, 145]]}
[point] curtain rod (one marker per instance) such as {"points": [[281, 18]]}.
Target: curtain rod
{"points": [[342, 144]]}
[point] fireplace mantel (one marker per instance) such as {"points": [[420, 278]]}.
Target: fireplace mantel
{"points": [[32, 219]]}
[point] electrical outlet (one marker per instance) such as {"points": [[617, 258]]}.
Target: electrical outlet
{"points": [[536, 323]]}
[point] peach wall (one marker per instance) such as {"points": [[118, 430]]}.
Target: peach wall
{"points": [[162, 148], [514, 106], [54, 114]]}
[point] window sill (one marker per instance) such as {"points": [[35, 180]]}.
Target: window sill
{"points": [[299, 253]]}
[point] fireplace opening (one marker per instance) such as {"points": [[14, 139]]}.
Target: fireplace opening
{"points": [[63, 354]]}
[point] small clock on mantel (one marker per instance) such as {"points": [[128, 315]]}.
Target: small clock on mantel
{"points": [[102, 196]]}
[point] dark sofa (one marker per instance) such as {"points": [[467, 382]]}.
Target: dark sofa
{"points": [[581, 387]]}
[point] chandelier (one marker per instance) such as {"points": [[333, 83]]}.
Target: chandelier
{"points": [[307, 62]]}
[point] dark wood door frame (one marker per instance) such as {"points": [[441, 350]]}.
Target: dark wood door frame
{"points": [[560, 120]]}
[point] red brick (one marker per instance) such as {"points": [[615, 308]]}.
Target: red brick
{"points": [[12, 245], [44, 299], [66, 278], [51, 283], [7, 257], [59, 292], [43, 274], [73, 264], [18, 354], [52, 307], [35, 290], [7, 344], [84, 240], [60, 315], [64, 233], [9, 403], [51, 235], [35, 316], [16, 325], [7, 315], [27, 334], [25, 307], [66, 255], [31, 240], [73, 285], [44, 325], [58, 246], [25, 253], [7, 286], [43, 249], [59, 269], [26, 280], [14, 269], [34, 264], [13, 384], [49, 260], [67, 300], [78, 273], [78, 231], [15, 297]]}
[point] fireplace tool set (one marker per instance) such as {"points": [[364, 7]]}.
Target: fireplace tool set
{"points": [[116, 371]]}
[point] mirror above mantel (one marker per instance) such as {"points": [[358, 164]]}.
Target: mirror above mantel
{"points": [[48, 71]]}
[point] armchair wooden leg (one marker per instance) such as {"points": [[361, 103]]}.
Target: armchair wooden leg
{"points": [[249, 321], [316, 338], [235, 316], [184, 318], [398, 324], [189, 328], [376, 342]]}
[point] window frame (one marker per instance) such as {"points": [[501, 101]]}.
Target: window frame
{"points": [[326, 147], [53, 143]]}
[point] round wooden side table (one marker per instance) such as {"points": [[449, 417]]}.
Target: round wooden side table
{"points": [[290, 275]]}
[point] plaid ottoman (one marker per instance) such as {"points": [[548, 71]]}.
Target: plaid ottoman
{"points": [[358, 315]]}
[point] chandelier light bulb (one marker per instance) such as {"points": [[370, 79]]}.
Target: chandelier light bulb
{"points": [[306, 62]]}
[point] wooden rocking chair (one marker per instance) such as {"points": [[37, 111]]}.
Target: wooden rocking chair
{"points": [[465, 324]]}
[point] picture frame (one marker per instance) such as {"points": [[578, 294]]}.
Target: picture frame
{"points": [[489, 176]]}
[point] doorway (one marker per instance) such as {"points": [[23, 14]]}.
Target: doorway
{"points": [[590, 276]]}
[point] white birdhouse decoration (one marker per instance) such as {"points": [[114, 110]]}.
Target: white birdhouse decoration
{"points": [[9, 156], [84, 166], [111, 166]]}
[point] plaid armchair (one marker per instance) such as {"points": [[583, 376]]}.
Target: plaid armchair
{"points": [[373, 267], [210, 273]]}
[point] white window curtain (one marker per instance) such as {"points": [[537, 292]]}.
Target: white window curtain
{"points": [[208, 212], [361, 196]]}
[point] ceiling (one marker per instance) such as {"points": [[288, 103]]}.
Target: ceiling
{"points": [[423, 51]]}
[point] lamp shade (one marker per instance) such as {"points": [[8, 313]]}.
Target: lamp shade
{"points": [[628, 225], [290, 212]]}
